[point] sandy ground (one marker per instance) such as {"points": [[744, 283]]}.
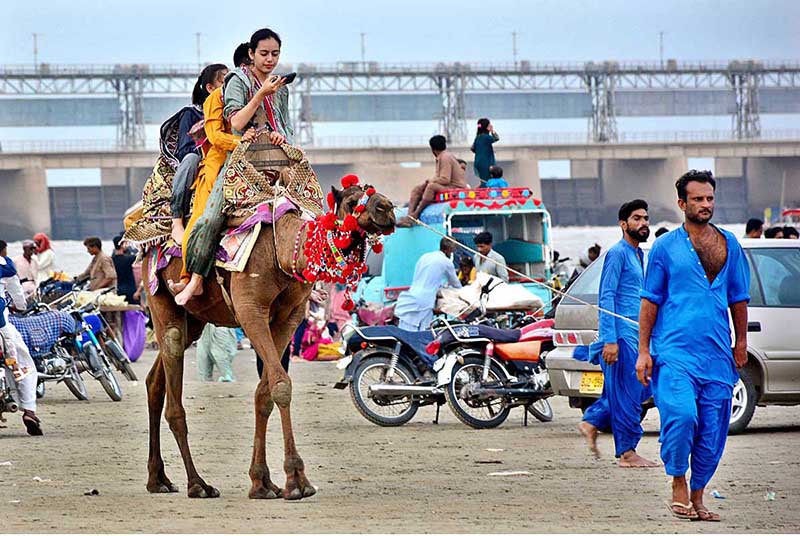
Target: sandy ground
{"points": [[418, 478]]}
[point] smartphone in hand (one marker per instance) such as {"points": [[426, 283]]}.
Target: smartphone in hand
{"points": [[289, 78]]}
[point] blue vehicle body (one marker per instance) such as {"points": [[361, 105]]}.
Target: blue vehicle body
{"points": [[519, 223]]}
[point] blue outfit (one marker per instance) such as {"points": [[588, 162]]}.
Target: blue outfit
{"points": [[693, 367], [7, 269], [414, 306], [620, 405], [497, 183], [190, 116]]}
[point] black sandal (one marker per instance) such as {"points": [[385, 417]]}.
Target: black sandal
{"points": [[32, 424]]}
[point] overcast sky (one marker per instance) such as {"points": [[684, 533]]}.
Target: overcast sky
{"points": [[162, 31]]}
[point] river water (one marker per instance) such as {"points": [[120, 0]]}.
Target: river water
{"points": [[571, 242]]}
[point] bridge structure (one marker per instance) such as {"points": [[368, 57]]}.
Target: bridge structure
{"points": [[131, 96], [758, 167]]}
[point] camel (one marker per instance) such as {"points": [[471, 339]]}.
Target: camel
{"points": [[269, 305]]}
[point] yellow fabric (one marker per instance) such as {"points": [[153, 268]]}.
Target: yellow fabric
{"points": [[222, 142]]}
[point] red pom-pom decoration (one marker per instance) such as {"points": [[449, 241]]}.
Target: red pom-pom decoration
{"points": [[350, 223], [342, 242], [370, 191], [329, 221], [331, 201], [359, 209], [309, 275], [377, 248], [349, 180], [348, 305]]}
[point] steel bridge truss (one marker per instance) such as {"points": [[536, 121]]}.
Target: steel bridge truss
{"points": [[451, 81]]}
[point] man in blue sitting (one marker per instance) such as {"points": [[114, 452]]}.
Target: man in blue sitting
{"points": [[497, 180], [433, 270]]}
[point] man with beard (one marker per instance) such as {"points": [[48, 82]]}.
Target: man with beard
{"points": [[694, 275], [620, 405]]}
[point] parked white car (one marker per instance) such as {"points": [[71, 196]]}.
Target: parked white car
{"points": [[772, 373]]}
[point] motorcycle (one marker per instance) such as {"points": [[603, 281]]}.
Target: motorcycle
{"points": [[488, 371], [102, 330], [88, 348], [385, 370], [51, 352]]}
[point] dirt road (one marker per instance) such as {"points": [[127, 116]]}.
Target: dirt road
{"points": [[418, 478]]}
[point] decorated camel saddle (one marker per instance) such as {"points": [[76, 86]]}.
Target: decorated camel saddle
{"points": [[262, 182]]}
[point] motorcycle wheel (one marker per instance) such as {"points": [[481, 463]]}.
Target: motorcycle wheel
{"points": [[477, 414], [106, 377], [372, 371], [39, 390], [75, 384], [542, 410], [120, 359]]}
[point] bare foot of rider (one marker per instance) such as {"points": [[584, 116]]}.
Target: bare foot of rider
{"points": [[193, 288], [631, 459], [175, 287], [589, 432], [177, 231]]}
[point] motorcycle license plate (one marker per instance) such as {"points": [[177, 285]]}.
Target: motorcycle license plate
{"points": [[591, 383]]}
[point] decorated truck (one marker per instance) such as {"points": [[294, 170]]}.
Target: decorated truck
{"points": [[519, 223]]}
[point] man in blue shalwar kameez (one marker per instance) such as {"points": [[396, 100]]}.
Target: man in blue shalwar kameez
{"points": [[694, 275], [620, 405]]}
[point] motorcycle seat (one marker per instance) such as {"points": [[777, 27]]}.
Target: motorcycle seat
{"points": [[416, 340], [518, 351]]}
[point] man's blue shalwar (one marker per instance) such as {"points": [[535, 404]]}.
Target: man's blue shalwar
{"points": [[693, 367], [620, 405]]}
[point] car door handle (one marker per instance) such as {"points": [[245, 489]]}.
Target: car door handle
{"points": [[754, 326]]}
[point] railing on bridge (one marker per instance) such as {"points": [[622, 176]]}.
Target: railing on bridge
{"points": [[373, 67], [404, 142]]}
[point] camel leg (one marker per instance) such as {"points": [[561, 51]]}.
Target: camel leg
{"points": [[262, 485], [174, 341], [277, 385], [157, 481], [164, 311]]}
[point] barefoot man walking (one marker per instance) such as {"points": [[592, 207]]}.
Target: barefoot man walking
{"points": [[620, 405], [694, 275]]}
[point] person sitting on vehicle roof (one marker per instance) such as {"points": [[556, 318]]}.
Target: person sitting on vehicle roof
{"points": [[449, 175], [497, 180]]}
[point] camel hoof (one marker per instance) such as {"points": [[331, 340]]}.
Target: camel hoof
{"points": [[294, 495], [163, 488], [264, 493], [199, 491], [309, 490]]}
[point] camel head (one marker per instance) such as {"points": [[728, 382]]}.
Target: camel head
{"points": [[377, 216]]}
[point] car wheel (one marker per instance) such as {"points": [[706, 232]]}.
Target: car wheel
{"points": [[743, 404]]}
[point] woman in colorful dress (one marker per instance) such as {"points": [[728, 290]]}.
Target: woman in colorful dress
{"points": [[189, 153], [255, 99]]}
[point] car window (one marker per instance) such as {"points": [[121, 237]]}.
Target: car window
{"points": [[779, 273], [587, 286], [756, 296]]}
